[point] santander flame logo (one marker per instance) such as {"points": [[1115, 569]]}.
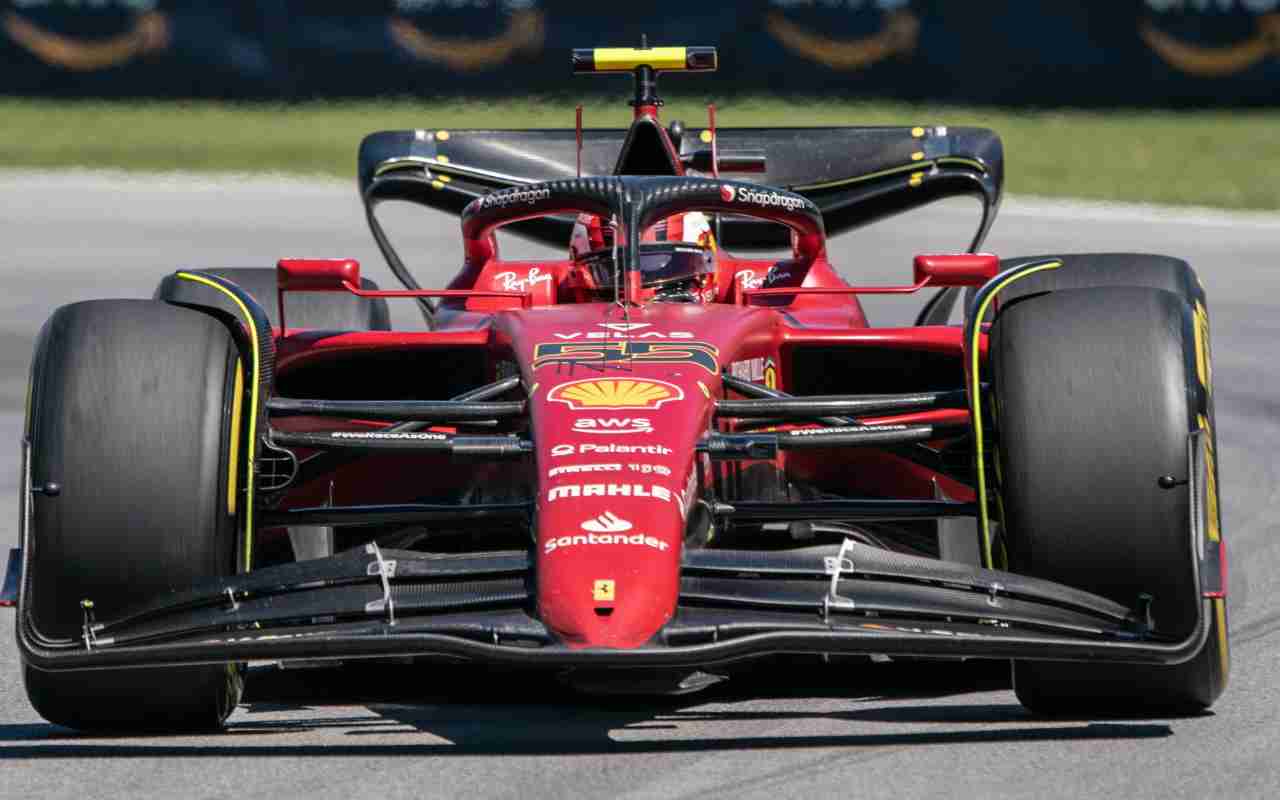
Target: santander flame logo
{"points": [[608, 522]]}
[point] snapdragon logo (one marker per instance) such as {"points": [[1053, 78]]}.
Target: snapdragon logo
{"points": [[513, 196], [760, 198]]}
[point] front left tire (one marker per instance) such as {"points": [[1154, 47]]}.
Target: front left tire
{"points": [[132, 413]]}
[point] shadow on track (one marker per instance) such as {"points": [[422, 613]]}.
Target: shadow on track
{"points": [[471, 711]]}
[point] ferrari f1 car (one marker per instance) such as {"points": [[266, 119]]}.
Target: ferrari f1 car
{"points": [[639, 464]]}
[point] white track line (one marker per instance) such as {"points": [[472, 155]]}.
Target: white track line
{"points": [[1057, 208]]}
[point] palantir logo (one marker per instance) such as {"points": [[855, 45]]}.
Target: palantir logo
{"points": [[608, 522]]}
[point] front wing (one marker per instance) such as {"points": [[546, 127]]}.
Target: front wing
{"points": [[734, 604]]}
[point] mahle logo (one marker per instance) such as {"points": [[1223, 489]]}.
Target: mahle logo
{"points": [[615, 393]]}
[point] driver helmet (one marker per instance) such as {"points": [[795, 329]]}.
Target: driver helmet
{"points": [[677, 256]]}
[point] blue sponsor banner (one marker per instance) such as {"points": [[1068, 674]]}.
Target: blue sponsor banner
{"points": [[417, 47], [1045, 52], [111, 48], [1224, 51], [1039, 52]]}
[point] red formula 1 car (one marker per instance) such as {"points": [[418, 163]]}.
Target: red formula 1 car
{"points": [[637, 464]]}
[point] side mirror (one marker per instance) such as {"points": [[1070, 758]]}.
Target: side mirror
{"points": [[956, 269], [314, 275], [317, 274]]}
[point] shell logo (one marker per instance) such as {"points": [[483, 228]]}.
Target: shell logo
{"points": [[604, 393]]}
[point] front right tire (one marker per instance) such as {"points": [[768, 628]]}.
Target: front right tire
{"points": [[1097, 391]]}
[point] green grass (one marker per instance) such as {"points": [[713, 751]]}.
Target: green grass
{"points": [[1229, 159]]}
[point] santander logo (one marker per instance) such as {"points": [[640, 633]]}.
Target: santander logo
{"points": [[608, 522]]}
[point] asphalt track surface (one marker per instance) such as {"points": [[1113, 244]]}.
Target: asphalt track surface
{"points": [[837, 730]]}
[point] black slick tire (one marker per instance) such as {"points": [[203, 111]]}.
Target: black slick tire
{"points": [[336, 311], [1096, 270], [131, 413], [1097, 391]]}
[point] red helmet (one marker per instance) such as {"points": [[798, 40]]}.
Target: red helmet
{"points": [[677, 256]]}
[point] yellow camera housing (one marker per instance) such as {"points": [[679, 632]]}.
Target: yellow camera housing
{"points": [[628, 59]]}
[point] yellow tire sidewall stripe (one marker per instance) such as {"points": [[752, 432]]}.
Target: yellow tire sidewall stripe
{"points": [[255, 372], [975, 389], [233, 457]]}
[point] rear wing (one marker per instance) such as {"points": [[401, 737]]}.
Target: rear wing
{"points": [[855, 175]]}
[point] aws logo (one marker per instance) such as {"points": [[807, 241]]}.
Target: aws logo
{"points": [[615, 393], [899, 31], [148, 33], [613, 425], [524, 33], [1195, 58]]}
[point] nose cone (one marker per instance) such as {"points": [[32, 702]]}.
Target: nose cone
{"points": [[610, 578], [617, 405], [618, 478]]}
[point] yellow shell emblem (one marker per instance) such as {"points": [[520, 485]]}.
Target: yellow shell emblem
{"points": [[606, 393]]}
